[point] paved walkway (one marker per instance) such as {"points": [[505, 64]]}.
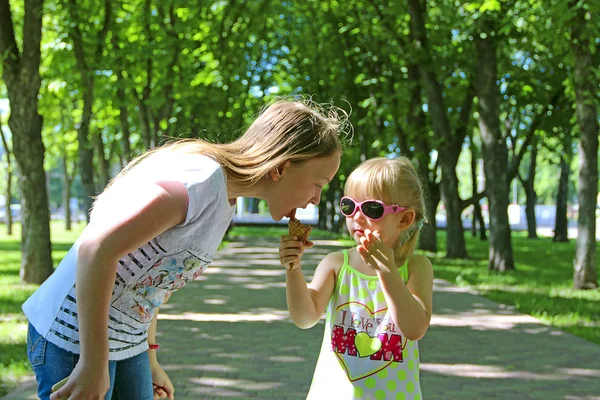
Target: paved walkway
{"points": [[229, 336]]}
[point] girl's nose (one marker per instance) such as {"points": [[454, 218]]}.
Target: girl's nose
{"points": [[358, 216]]}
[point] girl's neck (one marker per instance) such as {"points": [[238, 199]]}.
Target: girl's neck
{"points": [[235, 190]]}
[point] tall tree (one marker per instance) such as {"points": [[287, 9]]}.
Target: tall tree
{"points": [[451, 145], [20, 72], [561, 228], [528, 184], [495, 150], [8, 192], [585, 82], [87, 65]]}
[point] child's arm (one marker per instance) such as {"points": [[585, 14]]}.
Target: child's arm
{"points": [[410, 304], [307, 303]]}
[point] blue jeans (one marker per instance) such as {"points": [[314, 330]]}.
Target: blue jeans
{"points": [[129, 379]]}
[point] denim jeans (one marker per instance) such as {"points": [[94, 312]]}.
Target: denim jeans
{"points": [[129, 379]]}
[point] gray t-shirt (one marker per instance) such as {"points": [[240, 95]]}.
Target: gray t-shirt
{"points": [[148, 276]]}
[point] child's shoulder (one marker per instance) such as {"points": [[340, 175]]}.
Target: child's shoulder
{"points": [[419, 264], [333, 260], [335, 257]]}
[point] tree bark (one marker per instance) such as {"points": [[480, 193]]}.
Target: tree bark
{"points": [[477, 214], [102, 162], [67, 180], [585, 272], [123, 114], [561, 225], [8, 191], [531, 196], [20, 73], [495, 151], [85, 151], [428, 238], [455, 245], [422, 153]]}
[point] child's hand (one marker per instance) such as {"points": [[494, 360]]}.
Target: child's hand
{"points": [[163, 388], [375, 253], [291, 250]]}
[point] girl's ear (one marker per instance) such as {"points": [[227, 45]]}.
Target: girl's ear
{"points": [[278, 172], [408, 217]]}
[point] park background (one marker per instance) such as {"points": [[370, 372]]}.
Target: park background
{"points": [[495, 102]]}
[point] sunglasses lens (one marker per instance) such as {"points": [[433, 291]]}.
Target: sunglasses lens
{"points": [[347, 206], [372, 209]]}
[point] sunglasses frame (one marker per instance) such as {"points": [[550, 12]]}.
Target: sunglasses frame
{"points": [[392, 209]]}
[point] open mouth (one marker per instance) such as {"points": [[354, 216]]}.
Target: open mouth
{"points": [[291, 214]]}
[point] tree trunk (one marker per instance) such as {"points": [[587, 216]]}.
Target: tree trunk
{"points": [[422, 154], [585, 274], [66, 193], [531, 196], [334, 188], [144, 96], [477, 214], [20, 73], [456, 245], [85, 152], [428, 238], [477, 187], [561, 225], [495, 153], [102, 162], [122, 100], [8, 192]]}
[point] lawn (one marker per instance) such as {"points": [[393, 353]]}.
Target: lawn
{"points": [[540, 286], [13, 325]]}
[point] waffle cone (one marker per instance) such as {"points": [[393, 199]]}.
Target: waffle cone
{"points": [[300, 230]]}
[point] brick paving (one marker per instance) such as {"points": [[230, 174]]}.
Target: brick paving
{"points": [[228, 335]]}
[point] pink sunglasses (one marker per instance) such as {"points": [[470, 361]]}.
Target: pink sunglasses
{"points": [[372, 209]]}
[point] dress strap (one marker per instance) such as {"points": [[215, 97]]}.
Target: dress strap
{"points": [[404, 271], [345, 252]]}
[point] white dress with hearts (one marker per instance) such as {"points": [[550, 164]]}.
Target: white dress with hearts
{"points": [[364, 355]]}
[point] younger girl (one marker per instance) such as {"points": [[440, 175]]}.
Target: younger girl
{"points": [[153, 230], [377, 295]]}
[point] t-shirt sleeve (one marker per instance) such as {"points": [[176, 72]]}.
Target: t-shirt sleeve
{"points": [[206, 189]]}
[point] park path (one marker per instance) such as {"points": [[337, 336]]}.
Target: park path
{"points": [[228, 335]]}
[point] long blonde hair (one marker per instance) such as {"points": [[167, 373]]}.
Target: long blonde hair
{"points": [[284, 131], [393, 181]]}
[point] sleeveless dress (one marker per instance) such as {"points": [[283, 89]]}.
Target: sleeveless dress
{"points": [[364, 355]]}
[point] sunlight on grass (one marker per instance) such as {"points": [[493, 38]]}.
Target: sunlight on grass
{"points": [[13, 324], [541, 285]]}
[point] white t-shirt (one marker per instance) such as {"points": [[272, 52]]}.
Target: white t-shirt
{"points": [[147, 276]]}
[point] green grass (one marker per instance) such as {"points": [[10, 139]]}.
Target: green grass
{"points": [[542, 285], [13, 325]]}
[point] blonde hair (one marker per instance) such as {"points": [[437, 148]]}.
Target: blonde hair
{"points": [[393, 181], [284, 131]]}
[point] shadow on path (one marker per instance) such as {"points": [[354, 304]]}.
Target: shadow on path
{"points": [[228, 335]]}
